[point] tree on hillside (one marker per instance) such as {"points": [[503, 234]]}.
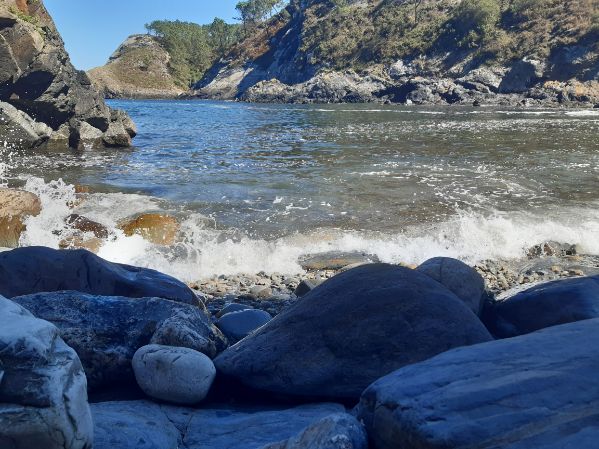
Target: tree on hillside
{"points": [[253, 12]]}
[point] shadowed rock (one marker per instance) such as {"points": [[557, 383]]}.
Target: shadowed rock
{"points": [[351, 330], [106, 331]]}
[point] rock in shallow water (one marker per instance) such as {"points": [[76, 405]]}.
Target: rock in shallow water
{"points": [[15, 207], [177, 375], [533, 391], [24, 271], [106, 331], [358, 326], [140, 424], [546, 305], [43, 391]]}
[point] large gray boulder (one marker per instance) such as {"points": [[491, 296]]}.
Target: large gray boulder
{"points": [[143, 425], [356, 327], [533, 391], [106, 331], [38, 79], [173, 374], [458, 277], [546, 305], [24, 271], [43, 391], [17, 128]]}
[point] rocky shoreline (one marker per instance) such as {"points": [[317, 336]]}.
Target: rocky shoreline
{"points": [[168, 372]]}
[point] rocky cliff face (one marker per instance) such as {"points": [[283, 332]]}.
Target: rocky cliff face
{"points": [[388, 51], [42, 96], [139, 68]]}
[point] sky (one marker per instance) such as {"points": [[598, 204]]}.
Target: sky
{"points": [[93, 29]]}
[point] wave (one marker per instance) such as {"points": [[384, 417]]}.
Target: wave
{"points": [[205, 251]]}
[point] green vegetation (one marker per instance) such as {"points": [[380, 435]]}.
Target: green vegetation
{"points": [[194, 48], [354, 35], [253, 12]]}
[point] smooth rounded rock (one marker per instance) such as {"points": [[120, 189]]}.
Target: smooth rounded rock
{"points": [[177, 375], [353, 329], [458, 277], [15, 207], [232, 307], [156, 228], [238, 325]]}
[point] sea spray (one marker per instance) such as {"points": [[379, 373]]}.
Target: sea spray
{"points": [[205, 250]]}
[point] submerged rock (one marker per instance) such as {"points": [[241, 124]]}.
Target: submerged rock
{"points": [[124, 425], [37, 269], [356, 327], [43, 390], [173, 374], [546, 305], [106, 331], [536, 390], [15, 207], [156, 228], [335, 260]]}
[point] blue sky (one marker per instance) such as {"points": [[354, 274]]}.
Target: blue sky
{"points": [[93, 29]]}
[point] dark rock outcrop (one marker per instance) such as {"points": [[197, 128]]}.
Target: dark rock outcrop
{"points": [[536, 390], [24, 271], [43, 392], [106, 331], [319, 426], [546, 305], [356, 327], [38, 79]]}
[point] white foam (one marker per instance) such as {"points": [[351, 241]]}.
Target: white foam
{"points": [[205, 251], [584, 113]]}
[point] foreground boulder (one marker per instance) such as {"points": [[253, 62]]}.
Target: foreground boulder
{"points": [[172, 374], [546, 305], [56, 102], [238, 325], [533, 391], [43, 392], [458, 277], [358, 326], [24, 271], [15, 207], [106, 331], [131, 425]]}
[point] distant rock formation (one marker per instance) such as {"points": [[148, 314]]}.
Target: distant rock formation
{"points": [[139, 68], [52, 102]]}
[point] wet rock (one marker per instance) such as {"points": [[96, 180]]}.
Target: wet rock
{"points": [[124, 424], [156, 228], [546, 305], [458, 277], [15, 207], [522, 75], [106, 331], [79, 241], [19, 129], [37, 269], [84, 224], [43, 391], [524, 392], [238, 325], [351, 330], [173, 374], [335, 260]]}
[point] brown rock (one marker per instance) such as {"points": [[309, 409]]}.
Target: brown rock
{"points": [[156, 228], [15, 206], [83, 224], [92, 244]]}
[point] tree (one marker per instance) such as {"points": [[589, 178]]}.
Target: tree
{"points": [[252, 12], [476, 19]]}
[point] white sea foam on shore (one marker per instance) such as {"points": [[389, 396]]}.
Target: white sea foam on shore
{"points": [[205, 251]]}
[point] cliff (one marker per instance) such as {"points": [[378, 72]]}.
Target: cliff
{"points": [[139, 68], [425, 52], [44, 100]]}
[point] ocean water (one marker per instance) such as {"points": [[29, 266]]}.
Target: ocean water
{"points": [[257, 186]]}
